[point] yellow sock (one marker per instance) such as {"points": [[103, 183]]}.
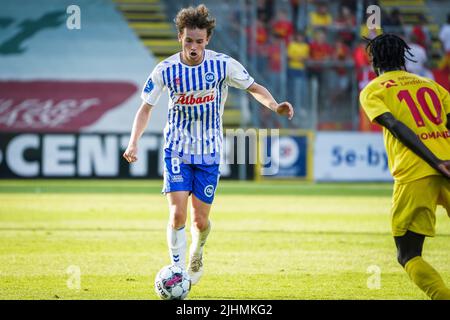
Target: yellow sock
{"points": [[427, 279]]}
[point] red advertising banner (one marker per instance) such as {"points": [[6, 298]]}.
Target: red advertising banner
{"points": [[58, 106]]}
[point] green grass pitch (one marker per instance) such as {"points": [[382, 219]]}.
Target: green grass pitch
{"points": [[270, 240]]}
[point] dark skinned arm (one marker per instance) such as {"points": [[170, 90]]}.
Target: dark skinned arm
{"points": [[406, 136]]}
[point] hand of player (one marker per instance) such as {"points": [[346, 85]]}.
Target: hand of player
{"points": [[285, 109], [444, 168], [130, 153]]}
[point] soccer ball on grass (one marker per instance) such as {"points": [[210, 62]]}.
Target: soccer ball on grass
{"points": [[172, 283]]}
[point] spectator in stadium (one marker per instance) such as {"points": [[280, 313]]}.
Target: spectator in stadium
{"points": [[444, 37], [298, 53], [419, 55], [345, 23], [364, 74], [421, 32], [197, 80], [320, 50], [257, 48], [320, 18], [321, 54], [342, 57], [418, 153], [362, 64], [282, 26], [275, 49]]}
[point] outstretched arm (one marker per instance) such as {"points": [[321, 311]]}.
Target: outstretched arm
{"points": [[139, 125], [263, 96], [405, 135]]}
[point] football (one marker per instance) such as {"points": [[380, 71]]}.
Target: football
{"points": [[172, 283]]}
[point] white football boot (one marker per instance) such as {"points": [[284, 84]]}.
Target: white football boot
{"points": [[195, 268]]}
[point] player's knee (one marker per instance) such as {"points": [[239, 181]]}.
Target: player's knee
{"points": [[409, 246], [177, 218], [200, 224], [403, 256]]}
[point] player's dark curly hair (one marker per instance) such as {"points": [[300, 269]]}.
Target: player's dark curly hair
{"points": [[197, 17], [388, 52]]}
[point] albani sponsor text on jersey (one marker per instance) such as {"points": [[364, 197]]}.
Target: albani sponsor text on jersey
{"points": [[192, 100]]}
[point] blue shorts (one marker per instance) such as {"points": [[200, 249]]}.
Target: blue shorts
{"points": [[182, 174]]}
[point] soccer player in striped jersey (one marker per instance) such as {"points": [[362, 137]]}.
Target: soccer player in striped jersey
{"points": [[415, 114], [197, 80]]}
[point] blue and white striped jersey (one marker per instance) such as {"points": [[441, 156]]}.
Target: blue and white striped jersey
{"points": [[197, 98]]}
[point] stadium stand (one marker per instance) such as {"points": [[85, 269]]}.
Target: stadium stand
{"points": [[149, 21]]}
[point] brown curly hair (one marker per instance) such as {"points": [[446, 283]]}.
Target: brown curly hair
{"points": [[192, 18]]}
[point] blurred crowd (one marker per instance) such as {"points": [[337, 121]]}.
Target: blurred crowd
{"points": [[324, 40]]}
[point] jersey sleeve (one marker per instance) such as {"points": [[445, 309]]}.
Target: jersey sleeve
{"points": [[372, 103], [153, 87], [445, 98], [237, 76]]}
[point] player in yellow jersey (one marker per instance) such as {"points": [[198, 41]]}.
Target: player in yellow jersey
{"points": [[415, 115]]}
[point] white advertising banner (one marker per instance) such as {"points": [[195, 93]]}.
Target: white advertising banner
{"points": [[350, 156]]}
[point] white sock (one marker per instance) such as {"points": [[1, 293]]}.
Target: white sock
{"points": [[176, 239], [199, 240]]}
